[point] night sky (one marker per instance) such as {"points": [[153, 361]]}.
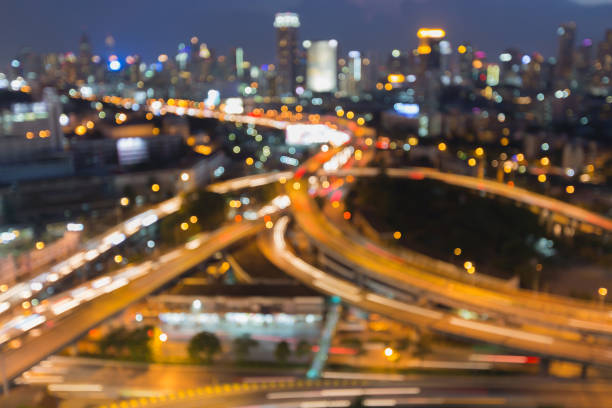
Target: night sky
{"points": [[152, 27]]}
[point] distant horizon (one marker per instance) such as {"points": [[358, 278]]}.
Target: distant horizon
{"points": [[357, 25]]}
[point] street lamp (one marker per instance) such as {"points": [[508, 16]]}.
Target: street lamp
{"points": [[391, 355], [602, 295]]}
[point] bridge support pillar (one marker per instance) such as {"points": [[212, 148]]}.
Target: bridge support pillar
{"points": [[544, 366], [584, 371]]}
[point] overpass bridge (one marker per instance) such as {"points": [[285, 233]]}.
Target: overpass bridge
{"points": [[514, 305], [367, 296], [68, 327], [580, 218]]}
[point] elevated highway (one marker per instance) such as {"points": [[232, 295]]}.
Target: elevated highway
{"points": [[368, 297], [68, 327], [363, 257], [571, 212]]}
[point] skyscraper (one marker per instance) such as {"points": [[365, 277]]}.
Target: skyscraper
{"points": [[355, 71], [584, 61], [321, 68], [466, 58], [239, 62], [604, 53], [286, 25], [565, 59]]}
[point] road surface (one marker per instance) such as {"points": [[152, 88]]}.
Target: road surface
{"points": [[89, 381]]}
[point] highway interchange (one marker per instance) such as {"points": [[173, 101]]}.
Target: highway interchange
{"points": [[545, 325]]}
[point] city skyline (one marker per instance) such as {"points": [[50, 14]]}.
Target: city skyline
{"points": [[293, 203], [481, 24]]}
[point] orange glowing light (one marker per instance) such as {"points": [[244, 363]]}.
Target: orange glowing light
{"points": [[396, 78], [431, 33], [424, 49]]}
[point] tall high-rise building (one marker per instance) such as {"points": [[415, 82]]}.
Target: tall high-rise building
{"points": [[85, 68], [466, 59], [397, 62], [355, 73], [511, 61], [584, 61], [239, 62], [286, 25], [321, 66], [85, 53], [430, 50], [351, 74], [604, 52], [565, 58]]}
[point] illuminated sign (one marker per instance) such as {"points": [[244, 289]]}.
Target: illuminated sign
{"points": [[396, 78], [409, 110], [431, 33], [286, 20], [132, 150], [314, 134]]}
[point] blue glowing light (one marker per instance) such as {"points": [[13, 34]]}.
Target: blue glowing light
{"points": [[410, 110], [114, 65]]}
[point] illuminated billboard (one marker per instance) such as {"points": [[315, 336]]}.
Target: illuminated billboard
{"points": [[410, 110], [431, 33], [321, 75], [132, 150], [314, 134], [286, 20]]}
